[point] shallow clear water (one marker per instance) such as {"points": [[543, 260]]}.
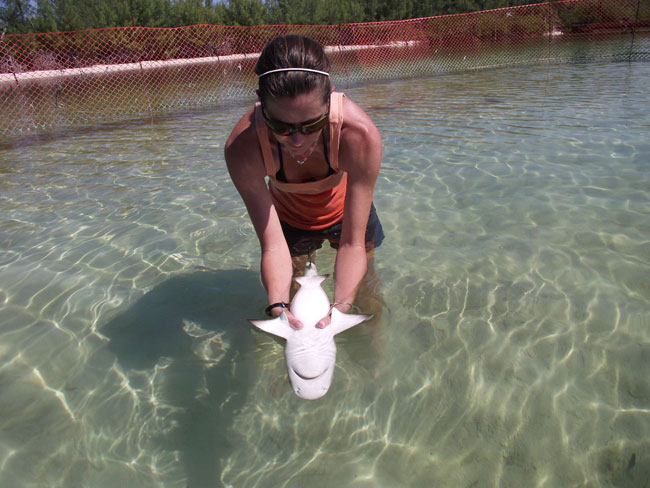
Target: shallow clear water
{"points": [[513, 350]]}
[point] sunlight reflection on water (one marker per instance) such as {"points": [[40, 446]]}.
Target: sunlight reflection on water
{"points": [[514, 345]]}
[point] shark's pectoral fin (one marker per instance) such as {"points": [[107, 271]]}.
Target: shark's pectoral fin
{"points": [[278, 326], [343, 321]]}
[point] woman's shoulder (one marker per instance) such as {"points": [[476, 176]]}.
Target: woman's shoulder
{"points": [[243, 136], [358, 127], [361, 145], [242, 150], [244, 127]]}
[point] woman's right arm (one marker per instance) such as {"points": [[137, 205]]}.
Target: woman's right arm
{"points": [[246, 168]]}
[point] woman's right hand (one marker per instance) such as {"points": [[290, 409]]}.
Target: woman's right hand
{"points": [[293, 321]]}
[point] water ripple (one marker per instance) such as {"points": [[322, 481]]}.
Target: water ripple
{"points": [[514, 345]]}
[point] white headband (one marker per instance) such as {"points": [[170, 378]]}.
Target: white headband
{"points": [[280, 70]]}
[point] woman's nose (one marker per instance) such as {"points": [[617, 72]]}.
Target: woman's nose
{"points": [[297, 139]]}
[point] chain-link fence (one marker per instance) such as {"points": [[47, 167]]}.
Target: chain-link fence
{"points": [[60, 79]]}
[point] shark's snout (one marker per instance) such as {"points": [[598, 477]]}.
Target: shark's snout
{"points": [[310, 389], [310, 385], [310, 394]]}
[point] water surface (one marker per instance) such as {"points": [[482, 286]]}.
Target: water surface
{"points": [[513, 349]]}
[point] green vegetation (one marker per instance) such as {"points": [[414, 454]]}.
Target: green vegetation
{"points": [[23, 16]]}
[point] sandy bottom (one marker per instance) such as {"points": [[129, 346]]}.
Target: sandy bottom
{"points": [[512, 350]]}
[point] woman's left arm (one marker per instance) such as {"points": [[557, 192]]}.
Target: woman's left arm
{"points": [[360, 154]]}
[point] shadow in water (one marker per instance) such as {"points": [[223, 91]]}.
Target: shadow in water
{"points": [[194, 327]]}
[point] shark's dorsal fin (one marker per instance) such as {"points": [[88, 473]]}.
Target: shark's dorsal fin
{"points": [[343, 321], [278, 326]]}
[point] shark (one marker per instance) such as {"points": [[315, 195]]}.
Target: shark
{"points": [[310, 352]]}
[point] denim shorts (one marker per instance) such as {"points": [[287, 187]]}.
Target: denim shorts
{"points": [[303, 242]]}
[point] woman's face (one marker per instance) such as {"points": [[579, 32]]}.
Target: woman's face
{"points": [[296, 112]]}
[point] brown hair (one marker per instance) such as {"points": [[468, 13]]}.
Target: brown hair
{"points": [[292, 51]]}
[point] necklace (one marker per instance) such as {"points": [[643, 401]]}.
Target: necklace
{"points": [[311, 150]]}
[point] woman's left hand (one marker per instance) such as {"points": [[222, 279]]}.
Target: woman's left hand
{"points": [[324, 322], [343, 307]]}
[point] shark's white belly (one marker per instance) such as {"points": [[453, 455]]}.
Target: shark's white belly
{"points": [[310, 352]]}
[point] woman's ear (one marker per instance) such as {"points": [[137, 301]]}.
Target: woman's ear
{"points": [[259, 97], [332, 88]]}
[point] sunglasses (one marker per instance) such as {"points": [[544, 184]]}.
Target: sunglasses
{"points": [[284, 129]]}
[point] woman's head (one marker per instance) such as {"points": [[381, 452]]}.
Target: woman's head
{"points": [[292, 51]]}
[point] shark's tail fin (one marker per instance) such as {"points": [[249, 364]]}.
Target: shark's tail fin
{"points": [[311, 280], [311, 276], [310, 269]]}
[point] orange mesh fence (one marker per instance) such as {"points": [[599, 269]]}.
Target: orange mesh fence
{"points": [[59, 79]]}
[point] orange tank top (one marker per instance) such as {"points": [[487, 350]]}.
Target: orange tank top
{"points": [[312, 205]]}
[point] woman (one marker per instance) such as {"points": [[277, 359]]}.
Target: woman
{"points": [[322, 154]]}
